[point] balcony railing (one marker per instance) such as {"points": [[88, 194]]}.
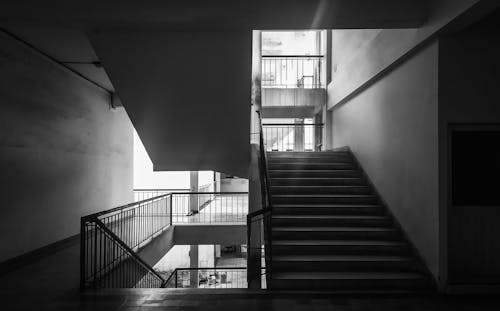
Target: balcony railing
{"points": [[232, 277], [143, 194], [209, 207], [292, 71], [110, 239], [292, 137]]}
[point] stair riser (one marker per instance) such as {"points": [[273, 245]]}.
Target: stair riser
{"points": [[342, 266], [324, 200], [376, 285], [305, 222], [335, 235], [340, 249], [320, 190], [311, 166], [336, 159], [319, 182], [309, 155], [373, 211], [314, 174]]}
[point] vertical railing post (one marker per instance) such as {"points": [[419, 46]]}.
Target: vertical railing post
{"points": [[82, 254], [171, 209]]}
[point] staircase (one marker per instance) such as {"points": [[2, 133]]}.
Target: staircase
{"points": [[330, 230]]}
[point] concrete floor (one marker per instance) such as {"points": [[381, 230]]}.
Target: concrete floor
{"points": [[51, 283]]}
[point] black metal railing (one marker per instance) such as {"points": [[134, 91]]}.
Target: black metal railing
{"points": [[293, 137], [292, 71], [264, 215], [107, 262], [209, 207], [227, 277], [110, 239]]}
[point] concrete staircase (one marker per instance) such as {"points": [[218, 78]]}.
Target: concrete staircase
{"points": [[330, 230]]}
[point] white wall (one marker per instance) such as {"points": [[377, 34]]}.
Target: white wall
{"points": [[392, 128], [146, 178], [64, 153]]}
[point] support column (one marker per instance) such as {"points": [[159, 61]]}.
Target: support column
{"points": [[298, 135], [254, 198], [254, 255], [193, 263], [193, 187]]}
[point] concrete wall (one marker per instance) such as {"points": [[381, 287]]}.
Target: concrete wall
{"points": [[234, 185], [361, 55], [272, 97], [392, 129], [63, 152]]}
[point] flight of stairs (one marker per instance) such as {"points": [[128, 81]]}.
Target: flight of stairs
{"points": [[330, 231]]}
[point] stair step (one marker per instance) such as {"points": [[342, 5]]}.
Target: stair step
{"points": [[320, 189], [348, 247], [314, 173], [330, 220], [337, 262], [322, 280], [319, 181], [327, 209], [321, 159], [334, 233], [311, 156], [324, 198], [311, 166]]}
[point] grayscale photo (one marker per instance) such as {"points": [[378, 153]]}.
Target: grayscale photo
{"points": [[237, 155]]}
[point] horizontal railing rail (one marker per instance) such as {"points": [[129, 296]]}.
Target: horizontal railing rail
{"points": [[292, 71], [293, 137], [214, 277], [144, 194]]}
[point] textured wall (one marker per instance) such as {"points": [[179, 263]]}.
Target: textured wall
{"points": [[392, 129], [63, 152]]}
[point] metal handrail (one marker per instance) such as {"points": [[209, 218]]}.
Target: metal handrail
{"points": [[292, 124], [266, 210], [292, 56], [131, 252], [122, 207]]}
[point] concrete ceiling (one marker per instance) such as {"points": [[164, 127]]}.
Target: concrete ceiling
{"points": [[182, 67], [70, 47], [222, 14]]}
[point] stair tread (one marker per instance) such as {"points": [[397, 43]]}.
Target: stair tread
{"points": [[322, 186], [306, 205], [315, 171], [308, 216], [325, 275], [325, 195], [333, 229], [338, 242], [354, 258]]}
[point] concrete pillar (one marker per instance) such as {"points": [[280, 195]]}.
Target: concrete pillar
{"points": [[327, 114], [193, 263], [254, 204], [216, 182], [298, 140], [254, 198], [193, 186]]}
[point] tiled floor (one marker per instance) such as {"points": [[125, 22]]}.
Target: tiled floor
{"points": [[52, 284]]}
